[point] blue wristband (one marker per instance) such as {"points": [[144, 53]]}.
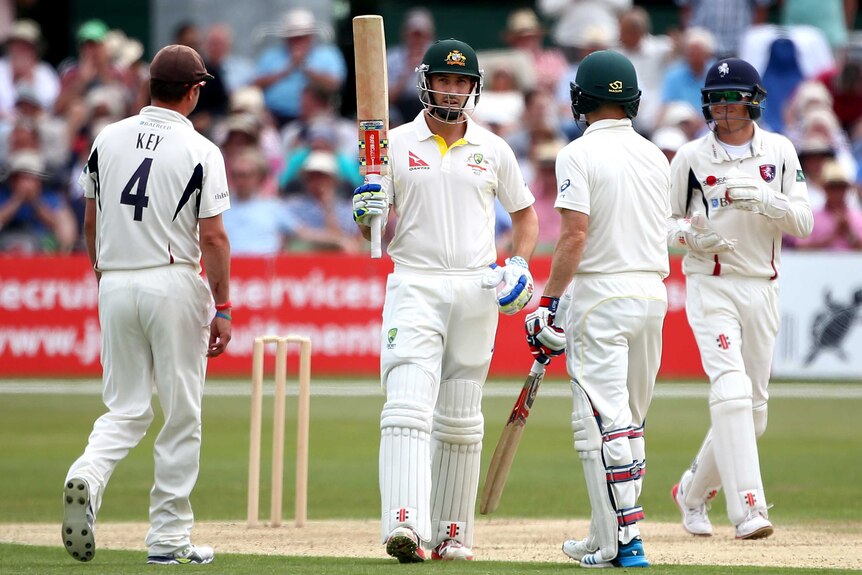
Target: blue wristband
{"points": [[223, 315]]}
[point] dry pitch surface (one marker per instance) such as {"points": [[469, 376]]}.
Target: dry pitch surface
{"points": [[495, 540]]}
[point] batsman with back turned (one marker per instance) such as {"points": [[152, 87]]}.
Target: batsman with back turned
{"points": [[441, 308]]}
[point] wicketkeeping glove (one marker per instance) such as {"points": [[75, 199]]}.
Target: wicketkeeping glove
{"points": [[369, 201], [695, 234], [747, 193], [546, 339]]}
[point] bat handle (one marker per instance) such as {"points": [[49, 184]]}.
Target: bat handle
{"points": [[376, 222], [538, 367]]}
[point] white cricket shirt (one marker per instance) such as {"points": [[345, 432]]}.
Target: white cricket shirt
{"points": [[152, 177], [444, 196], [621, 180], [697, 183]]}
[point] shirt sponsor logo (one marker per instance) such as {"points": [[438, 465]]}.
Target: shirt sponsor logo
{"points": [[767, 172], [615, 87], [414, 162], [800, 177], [719, 202], [221, 195]]}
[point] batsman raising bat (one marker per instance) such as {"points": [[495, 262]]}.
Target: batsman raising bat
{"points": [[440, 314]]}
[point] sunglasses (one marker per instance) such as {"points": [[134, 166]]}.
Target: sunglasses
{"points": [[728, 97]]}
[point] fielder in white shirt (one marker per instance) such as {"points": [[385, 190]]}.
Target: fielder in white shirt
{"points": [[155, 192], [614, 203], [741, 187], [440, 314]]}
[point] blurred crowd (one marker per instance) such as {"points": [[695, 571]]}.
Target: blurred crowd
{"points": [[291, 158]]}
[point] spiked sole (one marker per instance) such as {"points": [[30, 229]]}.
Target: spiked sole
{"points": [[405, 549], [78, 538]]}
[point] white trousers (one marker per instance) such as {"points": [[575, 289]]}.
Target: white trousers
{"points": [[155, 330]]}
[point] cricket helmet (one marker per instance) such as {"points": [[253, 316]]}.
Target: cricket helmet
{"points": [[733, 75], [449, 57], [605, 77]]}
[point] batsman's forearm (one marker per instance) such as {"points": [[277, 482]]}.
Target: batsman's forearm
{"points": [[567, 257], [525, 232]]}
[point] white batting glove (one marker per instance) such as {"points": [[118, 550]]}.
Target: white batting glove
{"points": [[545, 338], [695, 234], [369, 201], [745, 192], [518, 286]]}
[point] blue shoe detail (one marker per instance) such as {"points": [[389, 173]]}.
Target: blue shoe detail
{"points": [[631, 555]]}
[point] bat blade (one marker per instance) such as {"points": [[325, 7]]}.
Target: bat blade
{"points": [[372, 106], [510, 438]]}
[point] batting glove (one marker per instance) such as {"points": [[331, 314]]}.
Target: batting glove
{"points": [[369, 201], [545, 339], [745, 192], [695, 234], [518, 286]]}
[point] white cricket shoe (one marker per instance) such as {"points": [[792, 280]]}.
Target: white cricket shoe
{"points": [[191, 555], [577, 548], [694, 519], [754, 526], [452, 550], [78, 519]]}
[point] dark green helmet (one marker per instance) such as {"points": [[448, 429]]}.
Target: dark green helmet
{"points": [[449, 57], [605, 77]]}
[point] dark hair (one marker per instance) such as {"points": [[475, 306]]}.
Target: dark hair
{"points": [[168, 91]]}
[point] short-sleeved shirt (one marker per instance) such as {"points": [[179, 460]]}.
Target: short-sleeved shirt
{"points": [[444, 195], [152, 176], [697, 184], [258, 226], [283, 97], [621, 180]]}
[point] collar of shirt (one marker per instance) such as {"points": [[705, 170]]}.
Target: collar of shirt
{"points": [[165, 115], [608, 124], [423, 132], [720, 155]]}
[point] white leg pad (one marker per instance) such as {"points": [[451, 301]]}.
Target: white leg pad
{"points": [[588, 444], [405, 451], [705, 480], [456, 448], [735, 445]]}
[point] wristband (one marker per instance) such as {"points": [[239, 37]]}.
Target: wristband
{"points": [[549, 302], [223, 306], [223, 315]]}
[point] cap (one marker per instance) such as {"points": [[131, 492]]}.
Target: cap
{"points": [[834, 173], [27, 162], [244, 123], [678, 112], [815, 146], [546, 152], [92, 31], [298, 22], [669, 138], [25, 31], [322, 162], [247, 99], [27, 94], [179, 64], [523, 21]]}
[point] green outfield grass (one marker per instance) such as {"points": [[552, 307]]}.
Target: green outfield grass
{"points": [[809, 456]]}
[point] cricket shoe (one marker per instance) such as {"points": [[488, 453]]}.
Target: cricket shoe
{"points": [[754, 526], [694, 519], [630, 554], [78, 519], [403, 544], [452, 550], [191, 555], [577, 548]]}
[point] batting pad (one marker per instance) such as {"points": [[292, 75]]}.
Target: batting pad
{"points": [[588, 444], [735, 445], [456, 441], [405, 451]]}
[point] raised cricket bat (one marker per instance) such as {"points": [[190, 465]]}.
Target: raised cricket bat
{"points": [[507, 446], [372, 107]]}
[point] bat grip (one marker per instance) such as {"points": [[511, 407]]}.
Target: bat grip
{"points": [[376, 222], [538, 367]]}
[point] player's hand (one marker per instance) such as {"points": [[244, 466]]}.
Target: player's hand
{"points": [[220, 332], [747, 193], [695, 234], [545, 339], [368, 201], [518, 286]]}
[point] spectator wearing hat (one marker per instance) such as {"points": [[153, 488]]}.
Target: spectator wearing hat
{"points": [[20, 67], [669, 139], [814, 152], [32, 218], [319, 136], [524, 33], [325, 214], [838, 225], [417, 34], [318, 106], [684, 78], [93, 68], [578, 19], [300, 60]]}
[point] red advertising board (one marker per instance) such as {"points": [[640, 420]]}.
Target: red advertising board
{"points": [[49, 319]]}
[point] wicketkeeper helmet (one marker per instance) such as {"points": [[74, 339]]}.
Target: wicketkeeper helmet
{"points": [[733, 75], [605, 77]]}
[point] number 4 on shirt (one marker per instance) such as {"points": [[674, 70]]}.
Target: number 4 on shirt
{"points": [[138, 183]]}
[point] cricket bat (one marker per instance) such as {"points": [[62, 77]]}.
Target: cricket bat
{"points": [[372, 107], [507, 446]]}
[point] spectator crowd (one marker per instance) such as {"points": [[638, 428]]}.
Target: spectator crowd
{"points": [[292, 160]]}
